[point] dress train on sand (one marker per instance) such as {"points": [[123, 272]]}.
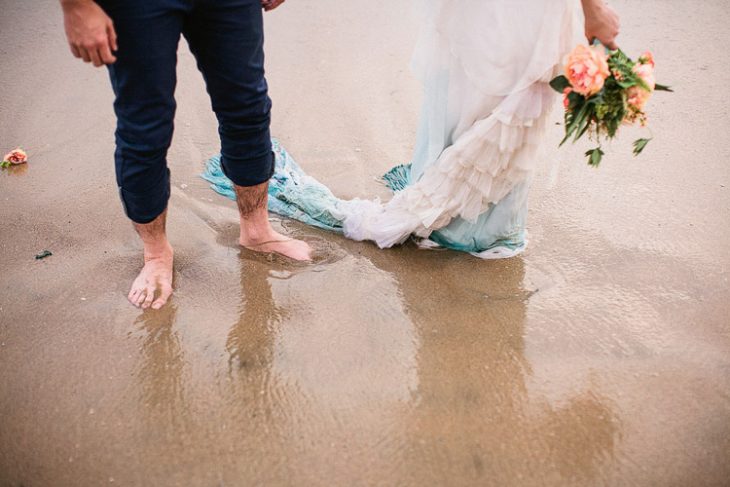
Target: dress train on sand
{"points": [[485, 66]]}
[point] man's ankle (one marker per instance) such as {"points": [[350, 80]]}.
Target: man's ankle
{"points": [[157, 250], [256, 233]]}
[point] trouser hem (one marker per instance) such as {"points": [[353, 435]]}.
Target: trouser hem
{"points": [[249, 172], [145, 207]]}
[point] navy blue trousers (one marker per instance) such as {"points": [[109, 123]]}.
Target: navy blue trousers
{"points": [[226, 37]]}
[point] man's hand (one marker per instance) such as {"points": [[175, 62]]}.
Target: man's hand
{"points": [[90, 31], [602, 23], [271, 4]]}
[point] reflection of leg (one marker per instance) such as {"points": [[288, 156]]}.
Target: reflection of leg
{"points": [[144, 81], [161, 369], [226, 38], [250, 340]]}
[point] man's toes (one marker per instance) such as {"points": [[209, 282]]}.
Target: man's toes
{"points": [[136, 296], [302, 251], [134, 293], [297, 250], [304, 255], [149, 297], [165, 293], [140, 297]]}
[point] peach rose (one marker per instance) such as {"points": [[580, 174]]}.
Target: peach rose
{"points": [[16, 156], [637, 95], [587, 69], [646, 73]]}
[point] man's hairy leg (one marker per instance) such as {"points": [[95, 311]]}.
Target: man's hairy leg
{"points": [[257, 233]]}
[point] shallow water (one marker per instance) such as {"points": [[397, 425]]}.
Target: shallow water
{"points": [[600, 357]]}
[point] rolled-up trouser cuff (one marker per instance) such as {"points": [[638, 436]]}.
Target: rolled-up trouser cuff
{"points": [[248, 172], [144, 207]]}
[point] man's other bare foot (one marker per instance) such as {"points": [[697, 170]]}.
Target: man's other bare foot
{"points": [[155, 278], [156, 275], [256, 231], [277, 243]]}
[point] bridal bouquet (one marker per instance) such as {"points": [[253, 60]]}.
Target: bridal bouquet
{"points": [[602, 91]]}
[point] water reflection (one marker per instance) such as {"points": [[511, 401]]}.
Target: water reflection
{"points": [[473, 420], [249, 339], [161, 368], [16, 170], [408, 367]]}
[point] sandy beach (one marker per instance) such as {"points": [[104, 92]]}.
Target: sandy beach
{"points": [[599, 357]]}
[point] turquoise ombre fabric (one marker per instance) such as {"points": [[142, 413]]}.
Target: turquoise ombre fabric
{"points": [[294, 194], [501, 226]]}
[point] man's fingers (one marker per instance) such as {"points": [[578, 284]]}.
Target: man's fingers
{"points": [[106, 55], [271, 4], [84, 55], [98, 53], [112, 34], [95, 57]]}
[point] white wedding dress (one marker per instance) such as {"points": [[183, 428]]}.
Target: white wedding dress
{"points": [[485, 67]]}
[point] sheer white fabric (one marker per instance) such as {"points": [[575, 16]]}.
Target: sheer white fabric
{"points": [[485, 66]]}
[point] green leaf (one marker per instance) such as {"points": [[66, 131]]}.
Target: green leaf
{"points": [[595, 156], [5, 164], [659, 87], [560, 83], [626, 83], [640, 145], [574, 120], [582, 130]]}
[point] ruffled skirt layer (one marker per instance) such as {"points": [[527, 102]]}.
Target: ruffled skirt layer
{"points": [[485, 66]]}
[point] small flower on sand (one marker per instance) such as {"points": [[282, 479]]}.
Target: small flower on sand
{"points": [[587, 69], [15, 156]]}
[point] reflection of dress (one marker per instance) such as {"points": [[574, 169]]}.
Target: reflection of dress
{"points": [[485, 65]]}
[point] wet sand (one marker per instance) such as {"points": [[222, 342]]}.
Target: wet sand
{"points": [[600, 357]]}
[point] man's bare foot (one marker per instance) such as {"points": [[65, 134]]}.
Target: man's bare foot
{"points": [[256, 231], [156, 275], [278, 244]]}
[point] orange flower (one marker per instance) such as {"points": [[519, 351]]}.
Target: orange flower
{"points": [[646, 73], [637, 95], [587, 70], [16, 156]]}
